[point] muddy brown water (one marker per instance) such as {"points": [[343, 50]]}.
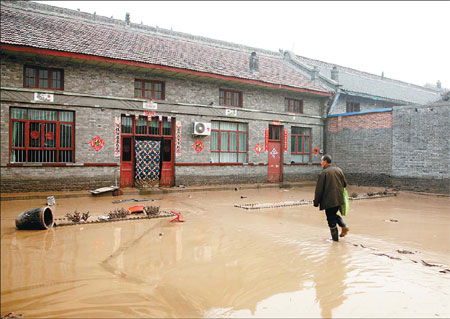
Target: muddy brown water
{"points": [[226, 261]]}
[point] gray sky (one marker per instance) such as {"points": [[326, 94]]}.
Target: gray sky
{"points": [[407, 40]]}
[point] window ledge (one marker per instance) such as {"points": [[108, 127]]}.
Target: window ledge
{"points": [[59, 164]]}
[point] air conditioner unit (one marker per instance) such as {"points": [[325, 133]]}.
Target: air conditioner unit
{"points": [[202, 128]]}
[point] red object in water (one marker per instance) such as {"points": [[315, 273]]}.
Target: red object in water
{"points": [[136, 209], [176, 218]]}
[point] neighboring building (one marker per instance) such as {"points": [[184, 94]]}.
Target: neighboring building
{"points": [[88, 101], [361, 91]]}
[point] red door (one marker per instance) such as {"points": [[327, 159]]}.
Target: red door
{"points": [[274, 166], [127, 162], [167, 168]]}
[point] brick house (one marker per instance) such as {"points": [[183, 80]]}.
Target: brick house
{"points": [[88, 101], [79, 92]]}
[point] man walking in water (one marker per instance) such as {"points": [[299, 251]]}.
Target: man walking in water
{"points": [[329, 195]]}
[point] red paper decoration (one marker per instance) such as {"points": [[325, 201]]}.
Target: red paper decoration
{"points": [[316, 150], [198, 146], [49, 136], [97, 143], [258, 148], [35, 134]]}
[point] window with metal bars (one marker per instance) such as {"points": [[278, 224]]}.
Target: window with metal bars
{"points": [[41, 136], [230, 98], [229, 142], [149, 89], [43, 78], [300, 144], [294, 106]]}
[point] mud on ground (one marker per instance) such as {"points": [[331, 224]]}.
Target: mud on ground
{"points": [[225, 261]]}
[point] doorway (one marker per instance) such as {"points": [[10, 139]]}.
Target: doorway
{"points": [[275, 154], [155, 128]]}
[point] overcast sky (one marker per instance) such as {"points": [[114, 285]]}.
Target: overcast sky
{"points": [[407, 40]]}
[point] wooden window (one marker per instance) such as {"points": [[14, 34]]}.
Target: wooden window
{"points": [[230, 98], [153, 90], [43, 78], [274, 132], [144, 126], [41, 136], [229, 142], [294, 106], [353, 107], [300, 144]]}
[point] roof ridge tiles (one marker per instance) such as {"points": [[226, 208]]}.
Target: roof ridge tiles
{"points": [[107, 21], [370, 75]]}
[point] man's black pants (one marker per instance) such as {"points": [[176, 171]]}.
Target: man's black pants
{"points": [[333, 217]]}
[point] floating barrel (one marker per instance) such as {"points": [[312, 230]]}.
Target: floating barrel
{"points": [[38, 218]]}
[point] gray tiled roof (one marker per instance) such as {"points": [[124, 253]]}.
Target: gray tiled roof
{"points": [[363, 83], [48, 27]]}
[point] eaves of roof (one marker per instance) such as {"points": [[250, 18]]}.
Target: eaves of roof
{"points": [[368, 84], [55, 34]]}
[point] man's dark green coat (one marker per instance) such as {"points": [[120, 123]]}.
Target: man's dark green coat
{"points": [[330, 188]]}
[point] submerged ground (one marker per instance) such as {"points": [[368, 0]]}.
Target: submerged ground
{"points": [[226, 261]]}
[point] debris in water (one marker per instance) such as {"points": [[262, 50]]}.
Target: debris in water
{"points": [[11, 315], [176, 218], [428, 264], [138, 209], [391, 257], [118, 213], [151, 210], [275, 205], [77, 217], [404, 251], [51, 201], [134, 200]]}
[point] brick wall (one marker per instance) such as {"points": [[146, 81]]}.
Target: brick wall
{"points": [[361, 146], [421, 147], [98, 95], [407, 148]]}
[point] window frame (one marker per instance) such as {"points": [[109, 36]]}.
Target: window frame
{"points": [[161, 130], [351, 106], [152, 82], [287, 105], [225, 99], [302, 137], [37, 78], [27, 147], [238, 131]]}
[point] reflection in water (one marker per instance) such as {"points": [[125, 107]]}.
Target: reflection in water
{"points": [[228, 262], [329, 275]]}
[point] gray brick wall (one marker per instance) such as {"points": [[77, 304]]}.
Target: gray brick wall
{"points": [[98, 95], [421, 147], [364, 155]]}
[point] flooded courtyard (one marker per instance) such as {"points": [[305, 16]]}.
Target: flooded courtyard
{"points": [[226, 261]]}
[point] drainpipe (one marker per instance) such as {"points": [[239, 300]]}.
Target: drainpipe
{"points": [[325, 127], [334, 103]]}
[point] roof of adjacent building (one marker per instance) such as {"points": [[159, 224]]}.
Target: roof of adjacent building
{"points": [[40, 26], [375, 86]]}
